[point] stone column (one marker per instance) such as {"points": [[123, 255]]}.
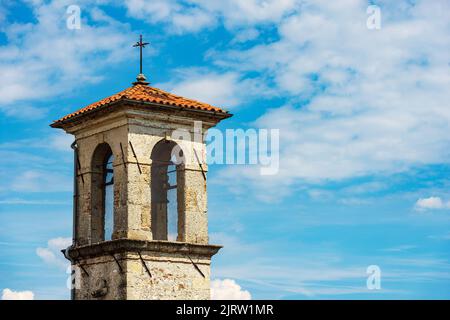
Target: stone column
{"points": [[83, 214], [193, 204], [138, 188]]}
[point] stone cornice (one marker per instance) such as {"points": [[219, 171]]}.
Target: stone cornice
{"points": [[128, 245]]}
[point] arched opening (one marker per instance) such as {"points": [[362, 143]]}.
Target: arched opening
{"points": [[108, 197], [102, 194], [166, 191]]}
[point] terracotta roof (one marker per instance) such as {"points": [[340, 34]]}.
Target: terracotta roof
{"points": [[144, 93]]}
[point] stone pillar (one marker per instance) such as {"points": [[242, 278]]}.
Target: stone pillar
{"points": [[138, 189], [193, 204], [83, 214]]}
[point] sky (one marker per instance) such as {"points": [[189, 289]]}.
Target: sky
{"points": [[364, 120]]}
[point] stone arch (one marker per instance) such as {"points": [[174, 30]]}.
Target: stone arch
{"points": [[102, 193], [167, 191]]}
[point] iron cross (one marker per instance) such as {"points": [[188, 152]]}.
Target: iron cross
{"points": [[141, 45]]}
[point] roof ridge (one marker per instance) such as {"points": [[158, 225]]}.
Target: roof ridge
{"points": [[178, 96]]}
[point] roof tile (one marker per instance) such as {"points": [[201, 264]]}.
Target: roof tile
{"points": [[145, 93]]}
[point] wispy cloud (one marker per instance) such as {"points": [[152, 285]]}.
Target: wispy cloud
{"points": [[441, 237], [52, 253], [224, 89], [40, 181], [32, 72], [193, 15], [42, 202], [400, 248], [360, 102]]}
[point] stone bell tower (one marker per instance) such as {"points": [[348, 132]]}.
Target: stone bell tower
{"points": [[140, 206]]}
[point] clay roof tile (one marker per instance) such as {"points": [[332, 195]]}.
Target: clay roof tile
{"points": [[145, 93]]}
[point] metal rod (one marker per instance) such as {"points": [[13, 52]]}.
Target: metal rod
{"points": [[200, 165], [196, 267], [117, 261], [134, 154], [145, 266], [123, 156], [79, 166], [77, 262]]}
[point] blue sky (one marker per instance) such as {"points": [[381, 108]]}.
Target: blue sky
{"points": [[363, 114]]}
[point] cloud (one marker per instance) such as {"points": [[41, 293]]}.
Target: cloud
{"points": [[181, 17], [441, 237], [228, 289], [56, 140], [32, 202], [225, 90], [40, 181], [32, 72], [40, 164], [232, 245], [359, 102], [8, 294], [400, 248], [431, 203], [61, 141], [52, 253], [320, 274], [245, 35]]}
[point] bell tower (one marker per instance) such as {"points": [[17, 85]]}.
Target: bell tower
{"points": [[140, 203]]}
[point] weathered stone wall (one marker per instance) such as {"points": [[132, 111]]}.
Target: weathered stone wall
{"points": [[175, 270], [174, 276], [132, 179], [103, 280], [113, 134]]}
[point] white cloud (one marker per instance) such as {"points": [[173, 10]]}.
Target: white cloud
{"points": [[182, 18], [400, 248], [431, 203], [232, 244], [39, 164], [228, 289], [195, 15], [441, 237], [225, 90], [361, 102], [315, 273], [61, 141], [52, 253], [9, 294], [44, 59], [245, 35], [32, 202], [250, 12], [56, 140], [40, 181]]}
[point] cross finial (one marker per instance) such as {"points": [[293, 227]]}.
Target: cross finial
{"points": [[141, 77]]}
